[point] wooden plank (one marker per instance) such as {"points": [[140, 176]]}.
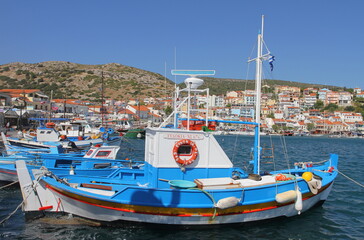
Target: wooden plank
{"points": [[96, 186]]}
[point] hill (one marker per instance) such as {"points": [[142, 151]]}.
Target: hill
{"points": [[121, 82], [84, 81]]}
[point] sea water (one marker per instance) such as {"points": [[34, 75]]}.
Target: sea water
{"points": [[340, 217]]}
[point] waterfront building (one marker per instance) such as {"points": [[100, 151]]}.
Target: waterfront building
{"points": [[249, 99], [31, 99], [235, 94], [280, 89], [322, 94], [360, 95], [309, 100], [357, 90], [332, 97], [291, 110], [307, 91], [345, 99]]}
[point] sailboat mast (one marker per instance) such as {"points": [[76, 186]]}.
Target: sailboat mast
{"points": [[258, 83]]}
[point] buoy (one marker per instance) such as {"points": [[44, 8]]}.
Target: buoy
{"points": [[307, 176], [286, 197], [50, 125], [227, 202], [314, 185], [298, 204], [72, 171]]}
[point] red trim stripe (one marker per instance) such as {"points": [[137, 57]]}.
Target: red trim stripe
{"points": [[13, 173], [178, 215]]}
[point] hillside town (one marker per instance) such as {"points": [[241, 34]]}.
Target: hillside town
{"points": [[285, 110]]}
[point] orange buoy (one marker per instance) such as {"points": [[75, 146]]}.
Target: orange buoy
{"points": [[50, 124]]}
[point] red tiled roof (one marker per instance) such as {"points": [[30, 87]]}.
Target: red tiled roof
{"points": [[20, 91]]}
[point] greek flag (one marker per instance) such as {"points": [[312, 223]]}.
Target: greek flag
{"points": [[271, 60]]}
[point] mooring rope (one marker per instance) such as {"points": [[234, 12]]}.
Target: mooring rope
{"points": [[17, 208], [210, 196], [8, 185], [361, 185], [12, 213]]}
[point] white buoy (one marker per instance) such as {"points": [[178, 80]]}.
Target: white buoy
{"points": [[227, 202], [286, 197], [72, 171], [298, 204]]}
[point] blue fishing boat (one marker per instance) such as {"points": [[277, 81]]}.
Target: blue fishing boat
{"points": [[97, 161], [186, 179], [47, 136]]}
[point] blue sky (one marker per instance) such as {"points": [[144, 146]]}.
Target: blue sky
{"points": [[313, 41]]}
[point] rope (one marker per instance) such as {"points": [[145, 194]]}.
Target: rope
{"points": [[12, 213], [285, 151], [361, 185], [17, 208], [8, 185], [211, 197]]}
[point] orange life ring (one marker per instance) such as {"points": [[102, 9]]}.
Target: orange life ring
{"points": [[194, 152], [50, 125]]}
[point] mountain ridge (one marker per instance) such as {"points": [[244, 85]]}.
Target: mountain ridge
{"points": [[121, 82]]}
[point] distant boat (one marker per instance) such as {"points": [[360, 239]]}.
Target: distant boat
{"points": [[287, 133], [48, 135], [135, 133], [97, 161]]}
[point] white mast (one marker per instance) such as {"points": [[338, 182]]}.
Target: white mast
{"points": [[258, 83]]}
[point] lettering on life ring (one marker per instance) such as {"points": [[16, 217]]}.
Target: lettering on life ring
{"points": [[193, 152]]}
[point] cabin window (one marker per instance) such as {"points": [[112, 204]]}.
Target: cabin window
{"points": [[41, 132], [89, 152], [185, 150], [49, 132], [103, 153]]}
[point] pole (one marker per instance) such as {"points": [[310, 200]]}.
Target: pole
{"points": [[189, 106], [50, 107], [258, 83], [102, 99], [64, 107]]}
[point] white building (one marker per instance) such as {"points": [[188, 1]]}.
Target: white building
{"points": [[345, 99]]}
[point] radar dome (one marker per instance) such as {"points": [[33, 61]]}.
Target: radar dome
{"points": [[193, 82]]}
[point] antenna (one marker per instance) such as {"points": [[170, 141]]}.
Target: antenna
{"points": [[175, 66], [165, 79], [102, 98], [192, 83]]}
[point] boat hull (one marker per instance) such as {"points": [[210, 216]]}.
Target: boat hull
{"points": [[7, 175], [95, 209]]}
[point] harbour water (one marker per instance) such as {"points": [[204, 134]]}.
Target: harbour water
{"points": [[340, 217]]}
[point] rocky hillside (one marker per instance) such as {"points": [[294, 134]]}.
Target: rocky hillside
{"points": [[84, 81], [121, 82]]}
